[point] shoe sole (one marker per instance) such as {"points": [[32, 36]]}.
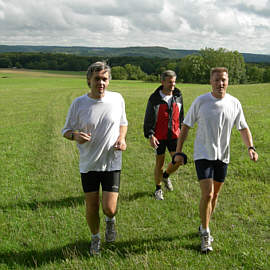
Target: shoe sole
{"points": [[110, 241], [206, 251]]}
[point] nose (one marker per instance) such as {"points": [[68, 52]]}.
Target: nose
{"points": [[221, 83], [101, 82]]}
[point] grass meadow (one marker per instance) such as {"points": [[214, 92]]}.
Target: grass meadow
{"points": [[42, 212]]}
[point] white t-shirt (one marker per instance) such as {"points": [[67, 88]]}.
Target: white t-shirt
{"points": [[215, 118], [166, 98], [102, 118]]}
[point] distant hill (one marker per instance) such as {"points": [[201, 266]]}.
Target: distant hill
{"points": [[150, 52]]}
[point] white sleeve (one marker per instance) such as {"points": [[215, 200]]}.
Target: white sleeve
{"points": [[123, 120], [191, 116], [240, 121], [71, 120]]}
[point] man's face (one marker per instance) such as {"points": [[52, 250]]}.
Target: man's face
{"points": [[219, 82], [99, 82], [168, 84]]}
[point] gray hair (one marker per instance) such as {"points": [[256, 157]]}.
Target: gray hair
{"points": [[96, 67], [167, 73]]}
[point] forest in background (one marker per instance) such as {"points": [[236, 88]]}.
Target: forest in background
{"points": [[190, 68]]}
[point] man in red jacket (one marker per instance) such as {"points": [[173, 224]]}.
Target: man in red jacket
{"points": [[162, 123]]}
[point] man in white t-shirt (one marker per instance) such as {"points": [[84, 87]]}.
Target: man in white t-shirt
{"points": [[97, 122], [215, 113]]}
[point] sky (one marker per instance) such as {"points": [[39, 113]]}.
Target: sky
{"points": [[176, 24]]}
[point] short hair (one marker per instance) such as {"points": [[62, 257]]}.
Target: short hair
{"points": [[167, 73], [218, 70], [96, 67]]}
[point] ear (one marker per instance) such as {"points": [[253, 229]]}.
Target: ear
{"points": [[88, 82]]}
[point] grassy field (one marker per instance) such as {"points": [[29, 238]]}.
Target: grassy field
{"points": [[42, 213]]}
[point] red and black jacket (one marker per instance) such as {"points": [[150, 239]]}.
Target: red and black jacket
{"points": [[160, 120]]}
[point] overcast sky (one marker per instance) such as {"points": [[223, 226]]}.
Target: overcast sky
{"points": [[176, 24]]}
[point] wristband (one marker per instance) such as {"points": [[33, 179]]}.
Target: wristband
{"points": [[253, 148], [72, 136], [180, 154]]}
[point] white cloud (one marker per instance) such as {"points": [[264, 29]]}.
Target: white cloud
{"points": [[235, 25]]}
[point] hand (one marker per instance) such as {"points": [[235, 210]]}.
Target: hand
{"points": [[81, 137], [179, 159], [253, 155], [154, 142], [120, 144]]}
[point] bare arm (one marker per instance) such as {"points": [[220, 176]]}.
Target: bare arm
{"points": [[247, 139], [79, 137], [183, 136], [121, 140]]}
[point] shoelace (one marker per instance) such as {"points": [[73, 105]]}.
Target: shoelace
{"points": [[110, 226], [206, 239], [95, 244]]}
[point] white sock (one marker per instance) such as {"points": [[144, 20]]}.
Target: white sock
{"points": [[110, 219], [96, 235], [203, 230]]}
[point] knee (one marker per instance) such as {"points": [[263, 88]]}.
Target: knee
{"points": [[109, 211], [215, 196], [176, 165], [208, 196]]}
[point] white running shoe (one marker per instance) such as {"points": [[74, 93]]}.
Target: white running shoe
{"points": [[168, 184], [110, 234], [159, 194], [206, 243], [95, 246], [200, 234]]}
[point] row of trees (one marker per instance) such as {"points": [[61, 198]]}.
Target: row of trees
{"points": [[194, 68]]}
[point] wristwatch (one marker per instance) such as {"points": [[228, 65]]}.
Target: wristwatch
{"points": [[253, 148], [72, 136]]}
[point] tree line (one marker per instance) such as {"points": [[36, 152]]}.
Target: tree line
{"points": [[194, 68]]}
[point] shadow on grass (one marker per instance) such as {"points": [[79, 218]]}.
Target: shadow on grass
{"points": [[34, 205], [135, 196], [195, 246], [33, 258], [80, 249]]}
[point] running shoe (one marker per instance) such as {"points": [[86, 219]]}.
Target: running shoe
{"points": [[200, 234], [159, 194], [110, 234], [95, 246], [206, 243], [168, 184]]}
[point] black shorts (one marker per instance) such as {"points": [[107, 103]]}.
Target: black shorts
{"points": [[214, 169], [170, 144], [110, 181]]}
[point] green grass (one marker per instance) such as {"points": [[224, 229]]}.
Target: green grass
{"points": [[42, 213]]}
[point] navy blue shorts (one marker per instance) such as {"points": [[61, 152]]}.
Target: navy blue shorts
{"points": [[110, 181], [214, 169], [170, 144]]}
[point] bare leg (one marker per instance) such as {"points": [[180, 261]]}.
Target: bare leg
{"points": [[158, 168], [172, 167], [92, 211], [207, 190], [217, 188], [109, 203]]}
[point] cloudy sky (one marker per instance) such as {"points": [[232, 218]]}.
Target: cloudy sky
{"points": [[176, 24]]}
